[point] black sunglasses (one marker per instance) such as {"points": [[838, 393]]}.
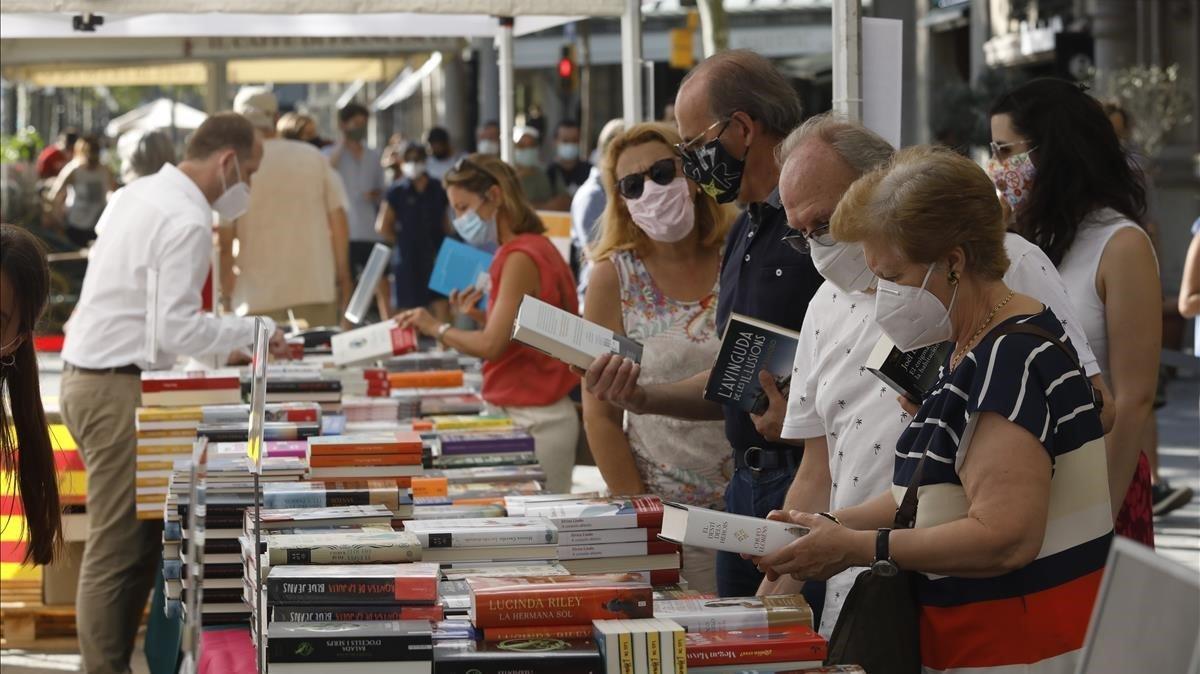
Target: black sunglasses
{"points": [[662, 172]]}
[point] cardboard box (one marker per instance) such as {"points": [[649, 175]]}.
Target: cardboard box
{"points": [[60, 578]]}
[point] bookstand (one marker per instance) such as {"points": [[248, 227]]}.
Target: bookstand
{"points": [[194, 558], [254, 450], [364, 292]]}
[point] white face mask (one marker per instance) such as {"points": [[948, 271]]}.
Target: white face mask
{"points": [[413, 169], [234, 200], [486, 146], [526, 156], [568, 151], [843, 264], [912, 317]]}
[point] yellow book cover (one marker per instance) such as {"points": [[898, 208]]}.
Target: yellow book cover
{"points": [[170, 414], [189, 433], [654, 652], [149, 450], [470, 423], [626, 642], [152, 481], [680, 652]]}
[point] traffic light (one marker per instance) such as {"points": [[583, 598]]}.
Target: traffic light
{"points": [[566, 69]]}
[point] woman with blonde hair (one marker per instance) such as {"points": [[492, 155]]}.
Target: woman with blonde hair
{"points": [[492, 214], [654, 279]]}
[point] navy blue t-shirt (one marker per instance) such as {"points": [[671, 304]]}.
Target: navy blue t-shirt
{"points": [[420, 215]]}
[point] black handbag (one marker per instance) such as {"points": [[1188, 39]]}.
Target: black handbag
{"points": [[879, 626]]}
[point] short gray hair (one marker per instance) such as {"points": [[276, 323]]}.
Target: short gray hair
{"points": [[741, 80], [861, 148], [148, 153]]}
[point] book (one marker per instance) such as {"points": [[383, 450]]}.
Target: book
{"points": [[912, 374], [640, 646], [557, 600], [308, 385], [192, 397], [486, 442], [281, 518], [567, 337], [548, 632], [444, 512], [353, 584], [599, 513], [526, 656], [426, 379], [349, 642], [319, 614], [154, 381], [706, 528], [607, 536], [364, 472], [735, 613], [795, 667], [326, 495], [503, 570], [380, 340], [604, 550], [475, 533], [344, 460], [365, 547], [755, 645], [491, 553], [363, 443], [470, 422], [748, 347], [459, 266], [661, 562]]}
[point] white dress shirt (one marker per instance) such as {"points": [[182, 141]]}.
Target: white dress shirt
{"points": [[833, 394], [160, 225]]}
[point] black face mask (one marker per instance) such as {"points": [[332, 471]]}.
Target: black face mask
{"points": [[317, 142], [714, 169]]}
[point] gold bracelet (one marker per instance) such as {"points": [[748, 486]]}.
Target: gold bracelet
{"points": [[832, 518]]}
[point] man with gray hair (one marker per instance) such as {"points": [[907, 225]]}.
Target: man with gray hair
{"points": [[733, 110], [847, 419], [293, 243]]}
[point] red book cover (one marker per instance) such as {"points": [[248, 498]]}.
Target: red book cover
{"points": [[348, 459], [664, 577], [558, 600], [189, 384], [367, 444], [558, 632], [404, 340], [375, 374], [758, 645]]}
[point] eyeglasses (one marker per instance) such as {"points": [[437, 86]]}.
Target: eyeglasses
{"points": [[690, 145], [802, 242], [1004, 150], [662, 172]]}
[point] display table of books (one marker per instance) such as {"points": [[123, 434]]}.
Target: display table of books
{"points": [[394, 527]]}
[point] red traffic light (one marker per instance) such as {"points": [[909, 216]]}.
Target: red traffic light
{"points": [[566, 68]]}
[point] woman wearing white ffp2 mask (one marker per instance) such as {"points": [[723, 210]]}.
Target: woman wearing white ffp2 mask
{"points": [[654, 280]]}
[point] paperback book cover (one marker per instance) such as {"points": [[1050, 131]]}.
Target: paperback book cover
{"points": [[486, 442], [319, 517], [557, 600], [460, 267], [468, 533], [380, 340], [365, 547], [755, 645], [600, 513], [736, 613], [321, 614], [527, 656], [568, 337], [347, 642], [399, 442], [309, 495], [748, 347], [354, 584], [426, 379], [705, 528], [912, 374], [550, 632], [606, 550]]}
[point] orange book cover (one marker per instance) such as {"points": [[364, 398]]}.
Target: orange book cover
{"points": [[558, 600], [426, 379], [338, 460], [559, 632], [430, 487]]}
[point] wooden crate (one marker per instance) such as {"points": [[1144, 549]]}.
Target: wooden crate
{"points": [[23, 624]]}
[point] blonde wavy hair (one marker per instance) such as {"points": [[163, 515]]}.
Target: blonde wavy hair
{"points": [[478, 172], [617, 228]]}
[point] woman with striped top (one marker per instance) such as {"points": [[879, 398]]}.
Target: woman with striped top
{"points": [[1013, 522]]}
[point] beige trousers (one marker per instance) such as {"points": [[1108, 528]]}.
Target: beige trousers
{"points": [[122, 553], [555, 431]]}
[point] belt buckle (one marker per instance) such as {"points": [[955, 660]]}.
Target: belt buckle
{"points": [[751, 451]]}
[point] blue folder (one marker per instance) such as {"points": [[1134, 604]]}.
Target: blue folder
{"points": [[458, 267]]}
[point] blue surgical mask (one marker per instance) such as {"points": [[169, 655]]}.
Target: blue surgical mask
{"points": [[526, 156], [476, 231]]}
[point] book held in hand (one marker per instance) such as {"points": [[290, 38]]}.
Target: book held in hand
{"points": [[381, 340], [567, 337], [705, 528], [461, 267], [748, 347], [912, 374]]}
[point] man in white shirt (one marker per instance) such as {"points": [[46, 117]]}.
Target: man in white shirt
{"points": [[155, 233], [293, 243], [847, 419]]}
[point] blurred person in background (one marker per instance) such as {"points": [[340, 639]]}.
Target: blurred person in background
{"points": [[144, 153], [492, 213], [56, 155], [440, 154], [586, 207], [24, 291], [413, 221], [1075, 192], [655, 280], [157, 227], [1189, 285], [301, 127], [362, 174], [292, 241], [80, 192], [487, 138], [527, 161], [568, 170]]}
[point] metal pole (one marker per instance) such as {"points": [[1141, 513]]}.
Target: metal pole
{"points": [[504, 47], [847, 59], [631, 61]]}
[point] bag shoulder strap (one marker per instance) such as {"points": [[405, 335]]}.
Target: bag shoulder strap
{"points": [[906, 514], [1041, 333]]}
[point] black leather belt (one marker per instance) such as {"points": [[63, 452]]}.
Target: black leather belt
{"points": [[123, 369], [759, 459]]}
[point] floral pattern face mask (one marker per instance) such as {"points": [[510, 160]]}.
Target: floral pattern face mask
{"points": [[1013, 177]]}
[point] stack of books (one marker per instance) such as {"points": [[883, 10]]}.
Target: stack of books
{"points": [[363, 410], [501, 539], [311, 388], [772, 649], [351, 647], [455, 594], [642, 646], [368, 382], [396, 456], [470, 422], [426, 379], [702, 614], [454, 400], [423, 361], [510, 445]]}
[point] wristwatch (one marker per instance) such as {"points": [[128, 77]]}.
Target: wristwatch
{"points": [[441, 331], [883, 564]]}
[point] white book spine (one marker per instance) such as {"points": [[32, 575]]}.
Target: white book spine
{"points": [[450, 538], [602, 550], [602, 536], [718, 530]]}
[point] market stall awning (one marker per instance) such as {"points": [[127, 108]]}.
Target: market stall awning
{"points": [[485, 7], [406, 83], [245, 71], [156, 114]]}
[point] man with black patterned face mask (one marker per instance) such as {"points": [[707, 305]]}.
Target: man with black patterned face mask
{"points": [[733, 110]]}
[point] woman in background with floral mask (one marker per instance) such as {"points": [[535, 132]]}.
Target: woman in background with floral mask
{"points": [[655, 280], [492, 214], [1075, 193]]}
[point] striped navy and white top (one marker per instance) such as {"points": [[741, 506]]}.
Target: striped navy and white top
{"points": [[1032, 620]]}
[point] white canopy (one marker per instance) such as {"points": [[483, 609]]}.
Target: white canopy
{"points": [[156, 115], [485, 7]]}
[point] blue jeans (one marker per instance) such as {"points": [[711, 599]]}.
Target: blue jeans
{"points": [[756, 493]]}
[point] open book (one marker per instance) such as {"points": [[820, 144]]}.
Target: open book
{"points": [[563, 335]]}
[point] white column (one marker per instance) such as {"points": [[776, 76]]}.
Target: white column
{"points": [[847, 58], [504, 47], [631, 62]]}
